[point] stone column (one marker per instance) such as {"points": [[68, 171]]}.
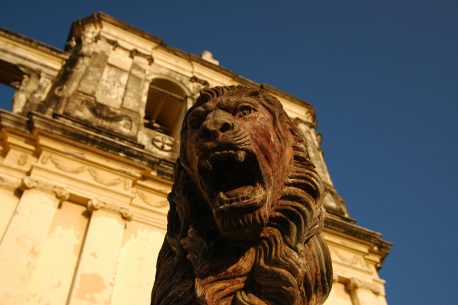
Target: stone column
{"points": [[53, 277], [25, 237], [96, 272], [137, 264], [16, 163], [8, 203]]}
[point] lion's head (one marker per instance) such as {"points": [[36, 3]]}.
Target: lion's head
{"points": [[245, 208]]}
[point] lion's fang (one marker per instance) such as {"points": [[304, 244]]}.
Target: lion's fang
{"points": [[241, 155], [223, 196]]}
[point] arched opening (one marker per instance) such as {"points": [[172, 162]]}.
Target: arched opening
{"points": [[10, 80], [165, 107]]}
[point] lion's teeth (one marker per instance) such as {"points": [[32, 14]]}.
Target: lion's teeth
{"points": [[241, 155], [222, 196]]}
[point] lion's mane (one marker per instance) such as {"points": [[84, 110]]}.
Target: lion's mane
{"points": [[288, 264]]}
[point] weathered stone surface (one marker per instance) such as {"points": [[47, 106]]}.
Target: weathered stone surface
{"points": [[245, 218]]}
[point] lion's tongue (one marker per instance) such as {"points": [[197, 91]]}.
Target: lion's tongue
{"points": [[243, 190]]}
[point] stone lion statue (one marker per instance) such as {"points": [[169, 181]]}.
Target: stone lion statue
{"points": [[245, 209]]}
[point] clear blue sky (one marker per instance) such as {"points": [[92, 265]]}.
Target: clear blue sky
{"points": [[383, 76]]}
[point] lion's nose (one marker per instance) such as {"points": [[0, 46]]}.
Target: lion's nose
{"points": [[215, 126]]}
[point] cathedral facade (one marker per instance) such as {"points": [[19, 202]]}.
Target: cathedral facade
{"points": [[86, 160]]}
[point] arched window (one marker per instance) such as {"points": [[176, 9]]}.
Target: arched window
{"points": [[165, 107], [10, 80]]}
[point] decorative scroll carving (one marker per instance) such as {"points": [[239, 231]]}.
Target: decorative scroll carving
{"points": [[159, 204], [29, 183], [22, 160], [133, 53], [126, 213], [245, 209], [65, 167], [352, 284], [61, 193], [127, 185], [195, 79], [350, 259], [108, 182], [45, 158], [9, 182], [95, 205]]}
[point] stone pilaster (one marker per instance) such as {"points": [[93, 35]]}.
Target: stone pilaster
{"points": [[23, 241], [96, 273], [95, 68], [134, 99]]}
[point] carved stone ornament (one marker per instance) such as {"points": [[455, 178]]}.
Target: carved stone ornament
{"points": [[245, 209], [163, 143]]}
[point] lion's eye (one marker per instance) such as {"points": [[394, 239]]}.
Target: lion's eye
{"points": [[245, 110]]}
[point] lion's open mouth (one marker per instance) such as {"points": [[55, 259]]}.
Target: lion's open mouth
{"points": [[234, 179]]}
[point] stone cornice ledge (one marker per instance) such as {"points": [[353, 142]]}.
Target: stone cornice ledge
{"points": [[13, 121], [340, 225], [37, 123]]}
